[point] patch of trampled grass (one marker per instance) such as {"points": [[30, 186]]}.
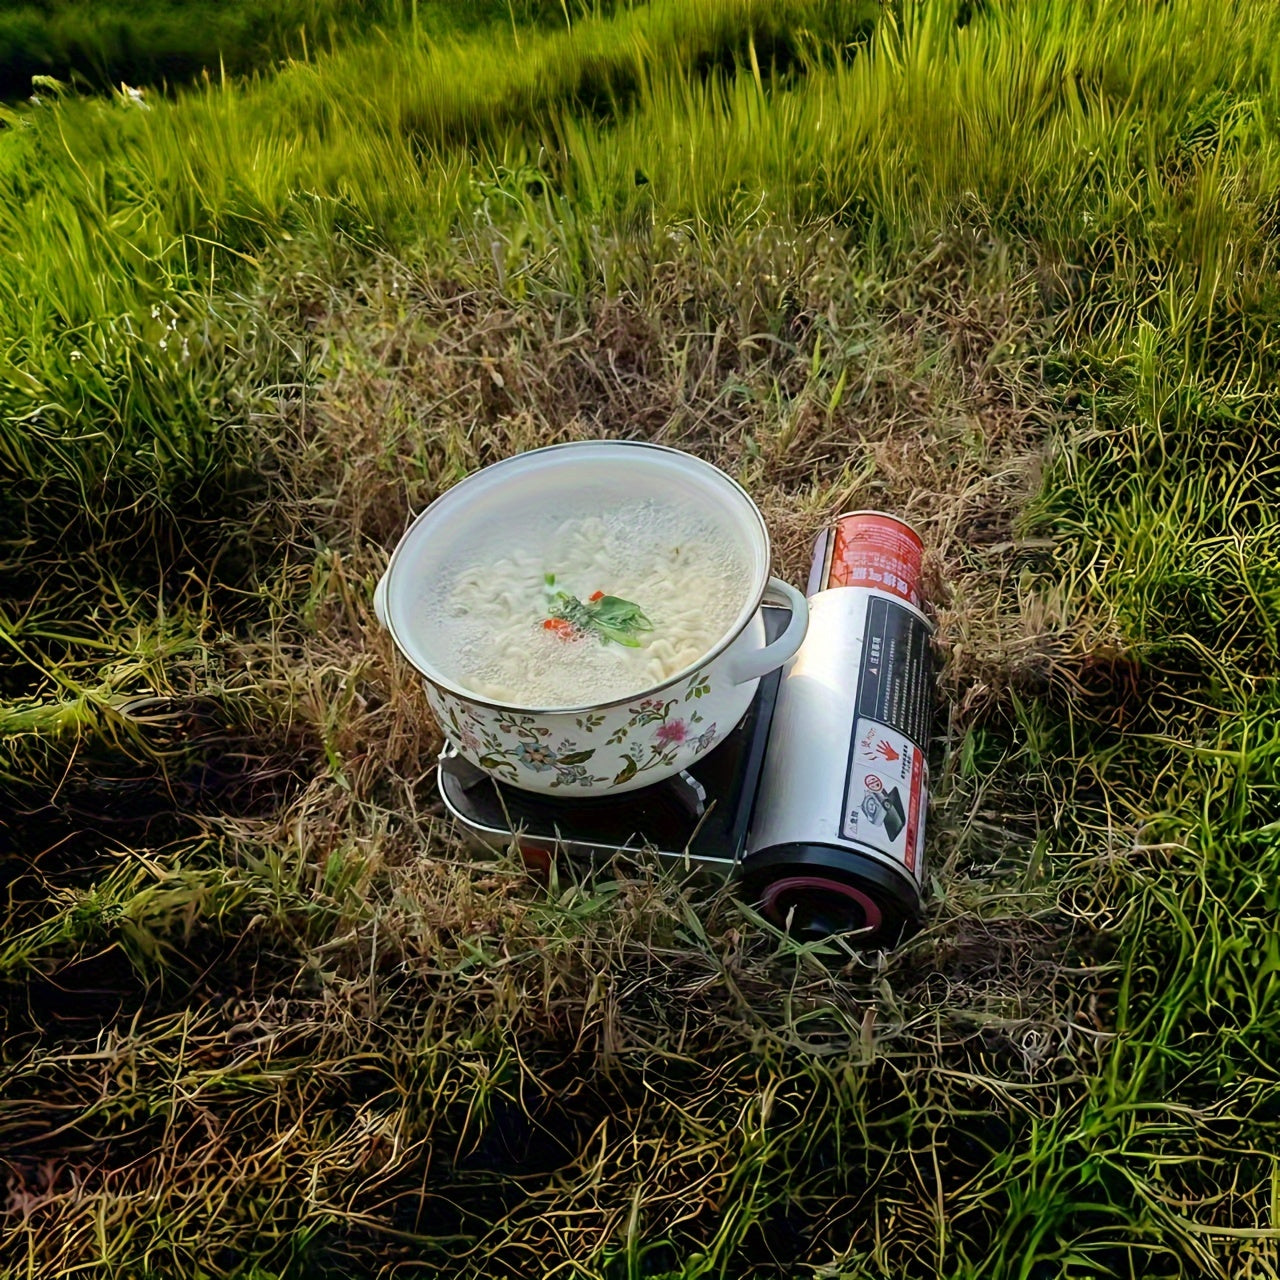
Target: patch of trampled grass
{"points": [[546, 1079]]}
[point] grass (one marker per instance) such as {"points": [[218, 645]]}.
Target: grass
{"points": [[1009, 271], [159, 43]]}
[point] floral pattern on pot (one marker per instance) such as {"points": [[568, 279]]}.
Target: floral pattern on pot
{"points": [[662, 733]]}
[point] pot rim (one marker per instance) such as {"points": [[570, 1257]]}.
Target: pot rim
{"points": [[466, 695]]}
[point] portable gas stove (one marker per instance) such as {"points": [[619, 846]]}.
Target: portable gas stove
{"points": [[815, 804]]}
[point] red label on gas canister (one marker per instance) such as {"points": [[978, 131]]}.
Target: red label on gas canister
{"points": [[870, 549]]}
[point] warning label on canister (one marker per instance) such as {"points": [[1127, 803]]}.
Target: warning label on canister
{"points": [[894, 684], [885, 796], [887, 782]]}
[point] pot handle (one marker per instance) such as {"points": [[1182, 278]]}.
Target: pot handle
{"points": [[380, 599], [751, 666]]}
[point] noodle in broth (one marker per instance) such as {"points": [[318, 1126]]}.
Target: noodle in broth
{"points": [[502, 627]]}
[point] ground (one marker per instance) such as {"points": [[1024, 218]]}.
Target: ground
{"points": [[1008, 270]]}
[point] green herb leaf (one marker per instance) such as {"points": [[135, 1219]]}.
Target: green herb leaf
{"points": [[610, 611], [571, 609], [610, 617]]}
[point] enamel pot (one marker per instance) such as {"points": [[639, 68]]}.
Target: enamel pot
{"points": [[607, 747]]}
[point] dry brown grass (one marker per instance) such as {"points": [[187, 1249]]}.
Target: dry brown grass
{"points": [[401, 1057]]}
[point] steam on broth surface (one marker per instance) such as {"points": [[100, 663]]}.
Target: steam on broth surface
{"points": [[564, 612]]}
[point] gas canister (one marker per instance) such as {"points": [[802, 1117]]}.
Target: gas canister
{"points": [[837, 839]]}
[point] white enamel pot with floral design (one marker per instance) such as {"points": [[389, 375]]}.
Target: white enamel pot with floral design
{"points": [[631, 742]]}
